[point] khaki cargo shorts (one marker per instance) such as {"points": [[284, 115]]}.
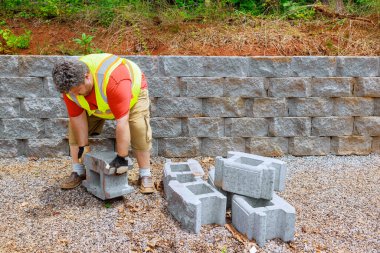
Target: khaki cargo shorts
{"points": [[139, 125]]}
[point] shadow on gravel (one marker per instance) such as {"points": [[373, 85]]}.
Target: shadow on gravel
{"points": [[61, 199]]}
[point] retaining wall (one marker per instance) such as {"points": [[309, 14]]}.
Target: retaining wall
{"points": [[207, 106]]}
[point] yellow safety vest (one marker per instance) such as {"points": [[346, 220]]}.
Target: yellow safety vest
{"points": [[101, 67]]}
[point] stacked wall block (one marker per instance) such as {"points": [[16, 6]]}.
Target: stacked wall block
{"points": [[196, 203], [263, 219], [183, 172], [244, 175], [101, 179]]}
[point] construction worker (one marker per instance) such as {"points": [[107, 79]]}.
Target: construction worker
{"points": [[104, 86]]}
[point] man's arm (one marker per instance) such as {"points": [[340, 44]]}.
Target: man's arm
{"points": [[80, 129], [123, 136]]}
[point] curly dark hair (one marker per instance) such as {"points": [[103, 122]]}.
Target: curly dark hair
{"points": [[68, 74]]}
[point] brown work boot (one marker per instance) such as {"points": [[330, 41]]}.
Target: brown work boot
{"points": [[72, 181], [146, 184]]}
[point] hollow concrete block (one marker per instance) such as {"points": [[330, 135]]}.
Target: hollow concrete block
{"points": [[263, 219], [210, 180], [250, 175], [196, 203], [101, 179], [183, 172]]}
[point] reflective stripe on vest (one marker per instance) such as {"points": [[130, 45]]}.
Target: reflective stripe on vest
{"points": [[101, 67]]}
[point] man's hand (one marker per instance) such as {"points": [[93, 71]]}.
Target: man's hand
{"points": [[120, 164]]}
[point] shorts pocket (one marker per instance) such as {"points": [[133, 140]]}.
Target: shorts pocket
{"points": [[148, 129]]}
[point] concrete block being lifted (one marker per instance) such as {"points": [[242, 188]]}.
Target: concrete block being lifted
{"points": [[250, 175], [183, 172], [263, 219], [196, 203], [211, 178], [101, 179]]}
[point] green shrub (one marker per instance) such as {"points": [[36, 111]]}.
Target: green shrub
{"points": [[12, 41]]}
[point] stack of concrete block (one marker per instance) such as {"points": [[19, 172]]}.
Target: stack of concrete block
{"points": [[249, 182], [191, 200], [101, 179]]}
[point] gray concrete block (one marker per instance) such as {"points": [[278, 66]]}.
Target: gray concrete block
{"points": [[278, 165], [148, 64], [56, 128], [289, 87], [220, 146], [40, 66], [43, 108], [163, 87], [181, 65], [268, 146], [102, 144], [332, 87], [290, 126], [368, 87], [246, 127], [262, 219], [20, 128], [357, 66], [166, 127], [351, 145], [183, 172], [376, 145], [21, 87], [332, 126], [309, 146], [377, 107], [196, 203], [310, 107], [178, 107], [353, 106], [101, 179], [224, 107], [267, 107], [309, 66], [179, 147], [204, 127], [226, 66], [367, 126], [270, 66], [242, 174], [9, 66], [244, 87], [202, 87], [49, 88], [211, 179], [10, 148], [46, 147], [9, 107]]}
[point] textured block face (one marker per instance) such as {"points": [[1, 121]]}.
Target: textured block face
{"points": [[332, 126], [21, 87], [9, 108], [205, 127], [101, 180], [289, 87], [355, 106], [182, 66], [246, 127], [332, 87], [203, 87], [196, 203], [268, 146], [270, 66], [9, 66], [290, 126], [226, 66], [244, 87], [262, 219], [224, 107], [302, 146], [314, 66], [178, 107], [268, 107], [358, 66], [47, 147], [166, 127], [179, 147], [351, 145], [368, 126], [368, 87], [163, 87], [220, 146], [306, 107]]}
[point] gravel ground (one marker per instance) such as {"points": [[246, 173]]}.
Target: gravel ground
{"points": [[337, 200]]}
